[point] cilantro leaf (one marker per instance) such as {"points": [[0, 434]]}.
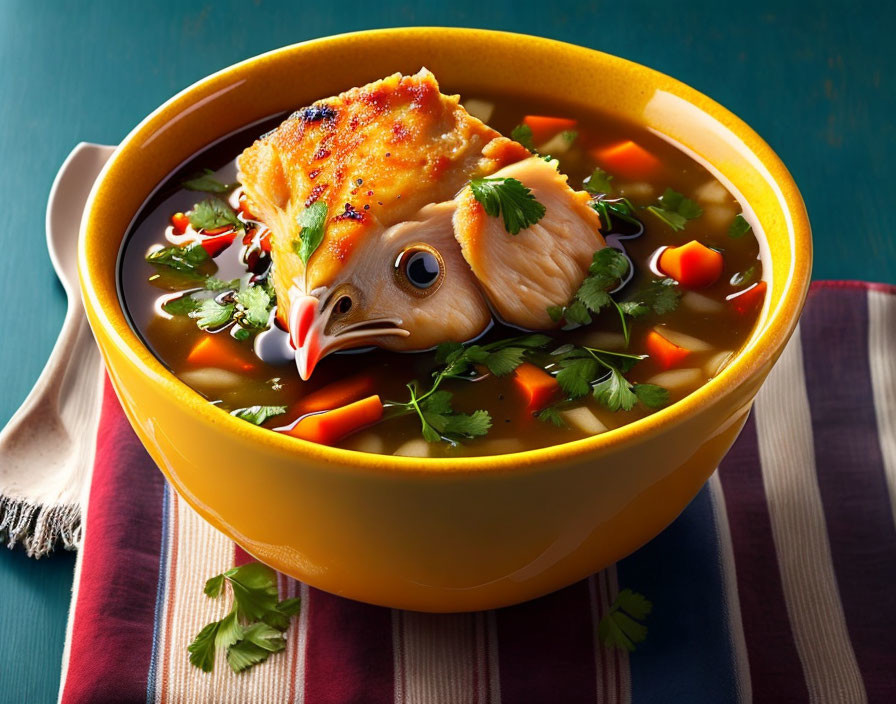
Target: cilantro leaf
{"points": [[660, 296], [265, 636], [615, 392], [675, 210], [569, 136], [470, 425], [608, 208], [523, 135], [621, 627], [609, 264], [739, 227], [214, 586], [212, 314], [651, 395], [551, 415], [255, 304], [598, 182], [229, 631], [182, 305], [258, 414], [254, 587], [207, 182], [187, 259], [213, 213], [504, 361], [576, 313], [742, 278], [202, 649], [213, 284], [576, 376], [510, 199], [245, 654], [313, 221]]}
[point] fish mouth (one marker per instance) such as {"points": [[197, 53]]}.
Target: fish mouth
{"points": [[309, 334]]}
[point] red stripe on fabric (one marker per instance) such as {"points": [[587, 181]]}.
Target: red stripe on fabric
{"points": [[349, 652], [119, 569], [852, 480], [240, 556], [546, 649], [776, 673]]}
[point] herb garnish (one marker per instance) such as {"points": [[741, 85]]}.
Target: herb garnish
{"points": [[598, 182], [438, 420], [510, 199], [523, 135], [621, 627], [739, 227], [250, 307], [186, 259], [608, 208], [258, 414], [254, 627], [675, 210], [551, 415], [212, 213], [313, 221], [742, 278], [207, 183]]}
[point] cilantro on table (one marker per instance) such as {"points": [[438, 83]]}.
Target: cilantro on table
{"points": [[254, 627], [438, 420], [621, 627], [584, 370], [313, 221], [510, 199], [598, 182], [675, 210], [206, 182], [212, 213], [523, 135], [739, 227], [258, 414], [608, 267]]}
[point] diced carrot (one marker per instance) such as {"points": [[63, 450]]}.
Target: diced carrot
{"points": [[265, 241], [692, 265], [664, 353], [217, 230], [331, 426], [249, 236], [337, 394], [218, 243], [180, 223], [627, 159], [749, 299], [543, 127], [215, 350], [538, 387]]}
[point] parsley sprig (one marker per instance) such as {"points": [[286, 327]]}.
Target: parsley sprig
{"points": [[739, 227], [598, 182], [523, 135], [212, 213], [675, 210], [313, 223], [608, 268], [621, 627], [205, 181], [187, 259], [258, 414], [249, 306], [609, 208], [439, 422], [254, 627], [510, 199]]}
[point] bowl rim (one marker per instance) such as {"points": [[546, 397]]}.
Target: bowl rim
{"points": [[778, 324]]}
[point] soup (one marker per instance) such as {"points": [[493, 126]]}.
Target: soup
{"points": [[660, 310]]}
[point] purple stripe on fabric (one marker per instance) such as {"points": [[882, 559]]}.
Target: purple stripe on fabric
{"points": [[119, 570], [349, 651], [851, 478], [776, 673], [546, 649]]}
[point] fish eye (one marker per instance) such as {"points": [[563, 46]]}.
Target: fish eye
{"points": [[419, 269]]}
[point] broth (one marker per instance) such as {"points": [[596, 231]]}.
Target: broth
{"points": [[705, 322]]}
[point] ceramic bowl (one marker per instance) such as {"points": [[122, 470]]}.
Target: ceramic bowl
{"points": [[439, 534]]}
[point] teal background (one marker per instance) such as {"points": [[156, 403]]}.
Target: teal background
{"points": [[816, 80]]}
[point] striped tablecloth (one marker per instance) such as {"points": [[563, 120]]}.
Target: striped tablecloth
{"points": [[776, 584]]}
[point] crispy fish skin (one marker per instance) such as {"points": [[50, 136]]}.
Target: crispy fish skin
{"points": [[375, 155]]}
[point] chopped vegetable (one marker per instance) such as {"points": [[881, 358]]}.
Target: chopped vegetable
{"points": [[253, 629], [538, 387], [543, 127], [664, 353], [313, 221], [739, 227], [207, 182], [218, 243], [627, 159], [213, 213], [510, 199], [329, 427], [621, 627], [180, 223], [337, 394], [560, 143], [692, 265], [675, 210], [258, 414], [749, 299], [216, 351]]}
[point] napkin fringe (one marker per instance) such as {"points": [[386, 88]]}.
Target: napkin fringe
{"points": [[39, 527]]}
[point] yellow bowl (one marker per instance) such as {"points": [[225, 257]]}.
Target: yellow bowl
{"points": [[437, 534]]}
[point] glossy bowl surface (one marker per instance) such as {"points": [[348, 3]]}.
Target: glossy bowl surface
{"points": [[438, 534]]}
